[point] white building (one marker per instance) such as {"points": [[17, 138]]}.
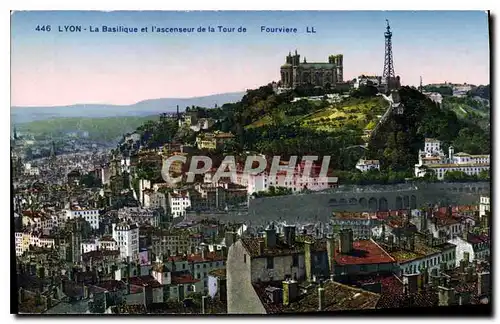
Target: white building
{"points": [[104, 243], [297, 182], [22, 242], [127, 238], [125, 164], [178, 203], [433, 158], [88, 246], [154, 199], [365, 165], [90, 215], [434, 96], [364, 80], [447, 255], [477, 247], [484, 205]]}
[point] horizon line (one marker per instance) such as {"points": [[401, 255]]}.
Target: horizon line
{"points": [[210, 95], [131, 104]]}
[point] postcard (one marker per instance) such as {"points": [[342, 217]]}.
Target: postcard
{"points": [[251, 162]]}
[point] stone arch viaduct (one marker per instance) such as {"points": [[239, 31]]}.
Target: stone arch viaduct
{"points": [[320, 205]]}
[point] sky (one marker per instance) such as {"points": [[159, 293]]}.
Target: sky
{"points": [[51, 68]]}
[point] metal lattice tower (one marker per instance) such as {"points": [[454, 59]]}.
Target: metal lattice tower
{"points": [[388, 74]]}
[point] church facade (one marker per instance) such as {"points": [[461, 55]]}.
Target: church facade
{"points": [[295, 73]]}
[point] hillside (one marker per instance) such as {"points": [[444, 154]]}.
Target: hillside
{"points": [[103, 129], [140, 109], [399, 139], [474, 110], [353, 113]]}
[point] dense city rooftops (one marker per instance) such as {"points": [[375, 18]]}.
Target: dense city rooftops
{"points": [[252, 246], [208, 257], [97, 255], [422, 249], [364, 252], [352, 215], [111, 285], [338, 297]]}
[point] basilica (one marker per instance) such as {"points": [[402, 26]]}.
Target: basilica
{"points": [[295, 73]]}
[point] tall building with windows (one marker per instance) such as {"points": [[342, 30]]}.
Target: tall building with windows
{"points": [[126, 236], [432, 158], [324, 74]]}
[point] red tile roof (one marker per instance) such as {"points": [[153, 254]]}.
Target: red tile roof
{"points": [[148, 280], [364, 252], [477, 239], [393, 213], [183, 278]]}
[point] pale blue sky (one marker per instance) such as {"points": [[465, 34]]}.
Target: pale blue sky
{"points": [[53, 68]]}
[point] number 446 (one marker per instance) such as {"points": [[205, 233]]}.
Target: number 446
{"points": [[43, 28]]}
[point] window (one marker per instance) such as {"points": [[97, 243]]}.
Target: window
{"points": [[197, 266], [244, 258], [270, 263]]}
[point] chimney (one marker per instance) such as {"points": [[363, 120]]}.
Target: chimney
{"points": [[321, 298], [270, 236], [464, 298], [412, 242], [262, 245], [346, 241], [411, 282], [390, 241], [430, 239], [483, 283], [307, 260], [330, 248], [230, 238], [204, 251], [466, 258], [290, 291], [128, 275], [204, 304], [442, 266], [289, 234], [423, 279], [462, 266], [224, 251], [286, 234], [147, 295], [85, 292], [446, 296], [469, 274]]}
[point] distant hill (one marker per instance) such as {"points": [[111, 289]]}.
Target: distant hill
{"points": [[108, 129], [139, 109]]}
